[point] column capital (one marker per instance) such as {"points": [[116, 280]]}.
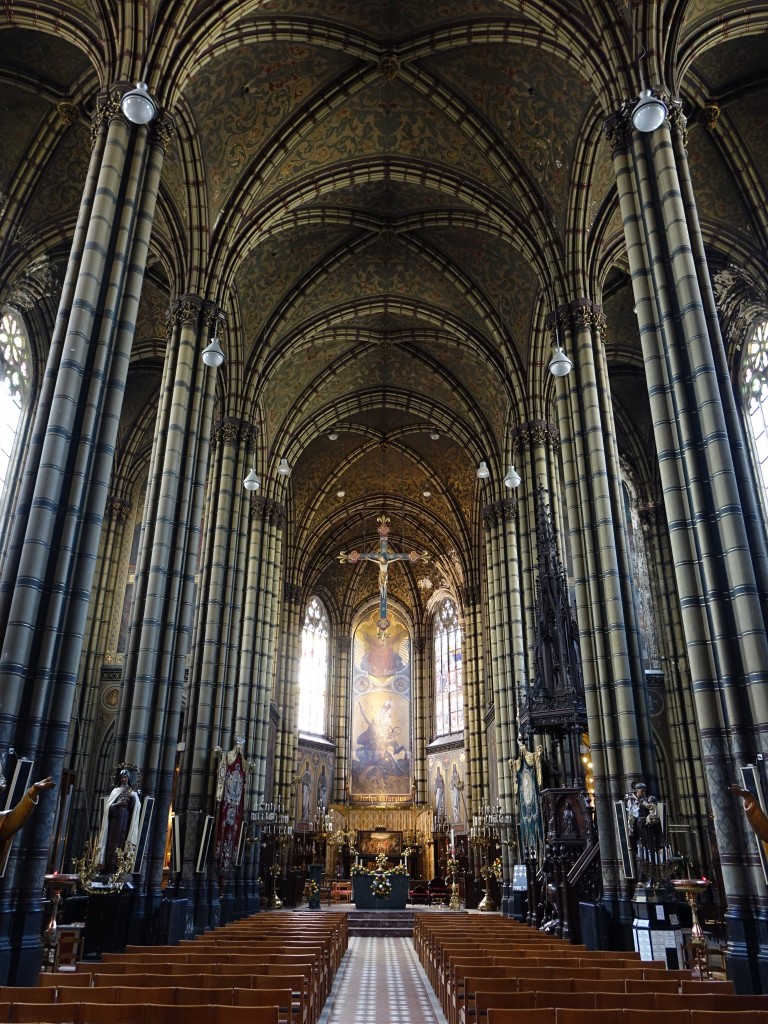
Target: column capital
{"points": [[470, 594], [268, 510], [234, 431], [291, 593], [116, 508], [344, 644], [499, 512], [678, 122], [535, 433], [617, 129]]}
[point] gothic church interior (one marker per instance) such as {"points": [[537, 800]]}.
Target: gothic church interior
{"points": [[478, 329]]}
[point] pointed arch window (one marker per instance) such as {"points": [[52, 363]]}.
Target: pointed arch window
{"points": [[313, 670], [449, 694], [754, 390], [14, 387]]}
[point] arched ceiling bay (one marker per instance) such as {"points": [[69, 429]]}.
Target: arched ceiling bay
{"points": [[386, 193]]}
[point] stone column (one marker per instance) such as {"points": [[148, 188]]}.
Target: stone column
{"points": [[619, 720], [342, 711], [210, 715], [48, 573], [164, 596], [422, 680], [717, 538]]}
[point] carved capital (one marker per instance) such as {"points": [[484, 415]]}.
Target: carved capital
{"points": [[616, 131], [67, 113], [470, 595], [291, 593], [420, 644], [269, 511], [184, 312], [107, 109], [116, 508], [678, 122], [710, 115], [535, 434], [162, 130], [344, 644]]}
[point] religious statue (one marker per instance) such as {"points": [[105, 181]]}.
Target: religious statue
{"points": [[119, 823], [758, 821], [306, 793], [382, 557], [645, 834], [439, 793], [14, 818]]}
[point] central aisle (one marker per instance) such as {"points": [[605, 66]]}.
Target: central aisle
{"points": [[381, 981]]}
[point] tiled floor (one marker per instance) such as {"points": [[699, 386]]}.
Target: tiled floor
{"points": [[381, 982]]}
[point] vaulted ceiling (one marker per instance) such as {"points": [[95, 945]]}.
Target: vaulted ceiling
{"points": [[386, 199]]}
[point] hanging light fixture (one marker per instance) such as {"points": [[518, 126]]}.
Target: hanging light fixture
{"points": [[252, 482], [434, 436], [650, 111], [513, 478], [284, 469], [333, 436], [213, 354], [340, 493], [482, 471], [559, 365], [137, 105]]}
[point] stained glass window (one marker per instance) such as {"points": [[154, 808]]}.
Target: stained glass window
{"points": [[754, 388], [313, 670], [14, 387], [449, 696]]}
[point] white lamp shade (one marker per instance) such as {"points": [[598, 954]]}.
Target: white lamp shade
{"points": [[513, 478], [284, 469], [649, 113], [252, 482], [333, 436], [482, 471], [213, 355], [559, 365], [434, 436], [137, 105]]}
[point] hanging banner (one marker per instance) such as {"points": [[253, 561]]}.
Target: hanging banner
{"points": [[230, 794]]}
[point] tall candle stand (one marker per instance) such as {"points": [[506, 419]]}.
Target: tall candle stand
{"points": [[483, 834], [276, 833]]}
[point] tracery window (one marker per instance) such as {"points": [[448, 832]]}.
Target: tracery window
{"points": [[754, 389], [313, 669], [449, 694], [14, 387]]}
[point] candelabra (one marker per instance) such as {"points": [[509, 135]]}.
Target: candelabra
{"points": [[275, 832], [483, 835]]}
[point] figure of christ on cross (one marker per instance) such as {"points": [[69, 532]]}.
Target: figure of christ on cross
{"points": [[383, 557]]}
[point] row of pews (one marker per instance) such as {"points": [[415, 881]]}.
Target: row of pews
{"points": [[274, 968], [497, 971]]}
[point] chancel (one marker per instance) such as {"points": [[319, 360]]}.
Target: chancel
{"points": [[518, 254]]}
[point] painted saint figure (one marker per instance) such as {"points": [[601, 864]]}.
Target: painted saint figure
{"points": [[455, 794], [306, 793], [439, 793]]}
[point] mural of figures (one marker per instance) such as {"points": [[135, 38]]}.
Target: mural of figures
{"points": [[380, 736], [446, 779], [306, 793], [456, 787], [314, 780]]}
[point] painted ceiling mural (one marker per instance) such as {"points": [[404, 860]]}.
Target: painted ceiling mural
{"points": [[384, 198]]}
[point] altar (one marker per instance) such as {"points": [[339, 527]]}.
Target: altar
{"points": [[365, 900]]}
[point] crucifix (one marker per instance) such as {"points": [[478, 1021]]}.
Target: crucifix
{"points": [[383, 557]]}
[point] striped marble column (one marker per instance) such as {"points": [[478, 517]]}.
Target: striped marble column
{"points": [[288, 695], [718, 545], [477, 790], [210, 714], [164, 595], [617, 709], [342, 667], [504, 626], [48, 572], [422, 687], [103, 612]]}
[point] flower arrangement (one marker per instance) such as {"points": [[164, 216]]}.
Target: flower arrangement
{"points": [[358, 869], [381, 887], [381, 861], [498, 868], [312, 889], [486, 872], [399, 869], [453, 866]]}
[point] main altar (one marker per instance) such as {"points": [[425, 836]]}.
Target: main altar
{"points": [[364, 896]]}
